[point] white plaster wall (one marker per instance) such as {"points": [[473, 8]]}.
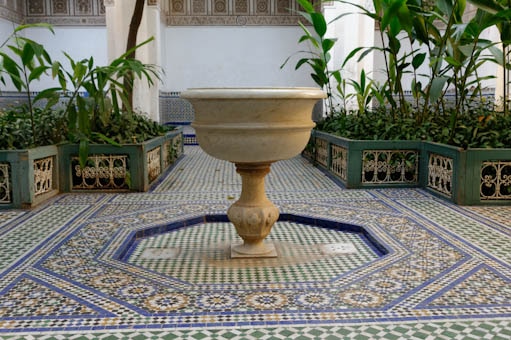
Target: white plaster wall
{"points": [[351, 31], [231, 56], [78, 42], [194, 56], [6, 28]]}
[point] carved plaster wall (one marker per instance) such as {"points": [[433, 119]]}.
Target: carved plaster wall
{"points": [[12, 10], [230, 12], [174, 12], [66, 12]]}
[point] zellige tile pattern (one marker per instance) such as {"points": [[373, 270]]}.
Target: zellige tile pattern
{"points": [[78, 267]]}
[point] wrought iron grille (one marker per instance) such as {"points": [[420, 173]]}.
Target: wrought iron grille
{"points": [[440, 172], [43, 175], [322, 151], [390, 166], [495, 180], [154, 163], [339, 164], [172, 149], [101, 172], [5, 184]]}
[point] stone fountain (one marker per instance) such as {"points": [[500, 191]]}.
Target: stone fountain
{"points": [[252, 128]]}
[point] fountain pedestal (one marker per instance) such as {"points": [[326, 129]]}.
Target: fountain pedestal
{"points": [[252, 128], [253, 214]]}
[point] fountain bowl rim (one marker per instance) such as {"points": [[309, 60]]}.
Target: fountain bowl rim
{"points": [[253, 93]]}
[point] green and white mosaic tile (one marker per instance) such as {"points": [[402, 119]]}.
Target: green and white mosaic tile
{"points": [[155, 266]]}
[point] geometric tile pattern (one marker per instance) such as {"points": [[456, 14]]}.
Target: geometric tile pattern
{"points": [[29, 297], [481, 286], [445, 274], [205, 248], [493, 238], [32, 231]]}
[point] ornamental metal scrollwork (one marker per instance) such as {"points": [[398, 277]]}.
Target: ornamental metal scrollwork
{"points": [[440, 172], [101, 172], [154, 163], [495, 180], [322, 151], [166, 152], [43, 175], [339, 164], [390, 166], [172, 150], [5, 183]]}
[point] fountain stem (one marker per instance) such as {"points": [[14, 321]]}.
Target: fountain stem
{"points": [[253, 214]]}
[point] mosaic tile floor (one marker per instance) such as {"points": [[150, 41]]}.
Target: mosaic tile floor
{"points": [[353, 264]]}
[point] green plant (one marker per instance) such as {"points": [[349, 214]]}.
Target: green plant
{"points": [[24, 62], [498, 13], [318, 55], [16, 131], [443, 56], [363, 91], [106, 101]]}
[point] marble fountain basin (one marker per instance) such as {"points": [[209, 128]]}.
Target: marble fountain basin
{"points": [[250, 125], [253, 127]]}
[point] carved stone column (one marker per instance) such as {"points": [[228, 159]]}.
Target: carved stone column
{"points": [[253, 214], [118, 18]]}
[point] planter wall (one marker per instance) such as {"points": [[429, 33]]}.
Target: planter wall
{"points": [[28, 177], [473, 176], [468, 177], [132, 167], [366, 164]]}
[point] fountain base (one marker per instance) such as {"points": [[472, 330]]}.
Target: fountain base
{"points": [[253, 215], [247, 250]]}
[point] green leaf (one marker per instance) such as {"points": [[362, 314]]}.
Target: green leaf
{"points": [[36, 73], [106, 139], [352, 54], [453, 62], [46, 94], [307, 5], [490, 6], [319, 23], [418, 60], [301, 62], [445, 6], [40, 25], [328, 44], [73, 118], [83, 152], [27, 54], [13, 71], [437, 86]]}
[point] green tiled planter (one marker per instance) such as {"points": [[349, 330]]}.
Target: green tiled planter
{"points": [[466, 177], [366, 164], [131, 167], [28, 177]]}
